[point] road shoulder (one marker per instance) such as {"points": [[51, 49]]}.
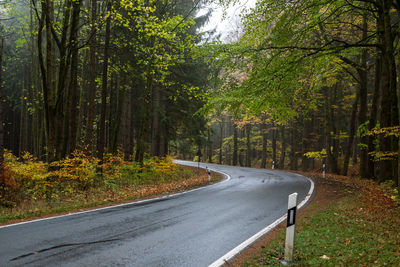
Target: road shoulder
{"points": [[326, 193], [169, 190]]}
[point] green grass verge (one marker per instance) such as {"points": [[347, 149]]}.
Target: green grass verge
{"points": [[345, 234]]}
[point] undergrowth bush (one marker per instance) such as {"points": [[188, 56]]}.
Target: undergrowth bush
{"points": [[27, 178], [7, 187]]}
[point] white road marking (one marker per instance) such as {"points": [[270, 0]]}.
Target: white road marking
{"points": [[228, 177], [221, 261], [237, 250]]}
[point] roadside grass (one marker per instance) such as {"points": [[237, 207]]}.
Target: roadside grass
{"points": [[130, 187], [361, 229]]}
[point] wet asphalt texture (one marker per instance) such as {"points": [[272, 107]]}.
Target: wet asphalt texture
{"points": [[192, 229]]}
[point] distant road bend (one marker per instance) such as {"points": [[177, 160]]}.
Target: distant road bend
{"points": [[192, 229]]}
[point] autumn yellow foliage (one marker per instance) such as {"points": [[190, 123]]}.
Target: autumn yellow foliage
{"points": [[164, 165], [30, 178]]}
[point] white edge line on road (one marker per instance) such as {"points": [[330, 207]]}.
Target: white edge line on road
{"points": [[228, 177], [237, 250]]}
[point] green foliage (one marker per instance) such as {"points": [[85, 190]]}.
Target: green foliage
{"points": [[319, 155], [363, 129], [160, 40], [283, 59], [377, 131], [383, 155], [385, 131], [150, 46], [132, 171]]}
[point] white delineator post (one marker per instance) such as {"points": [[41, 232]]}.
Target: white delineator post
{"points": [[290, 228], [273, 164], [323, 170], [209, 174]]}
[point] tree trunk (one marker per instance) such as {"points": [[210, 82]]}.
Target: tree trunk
{"points": [[144, 123], [283, 148], [83, 98], [36, 97], [118, 118], [23, 129], [235, 145], [389, 110], [221, 139], [330, 129], [274, 146], [112, 114], [60, 106], [264, 145], [155, 129], [374, 113], [126, 125], [307, 129], [248, 146], [362, 115], [54, 93], [140, 146], [163, 141], [49, 80], [398, 102], [71, 128], [350, 141], [92, 77], [2, 178], [102, 127], [1, 108], [355, 151], [73, 108], [209, 142], [293, 147]]}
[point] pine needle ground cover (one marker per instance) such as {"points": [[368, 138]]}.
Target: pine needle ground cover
{"points": [[31, 189], [362, 228]]}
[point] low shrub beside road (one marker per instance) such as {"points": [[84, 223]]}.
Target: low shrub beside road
{"points": [[32, 189]]}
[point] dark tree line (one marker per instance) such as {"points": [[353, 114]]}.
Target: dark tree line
{"points": [[100, 76]]}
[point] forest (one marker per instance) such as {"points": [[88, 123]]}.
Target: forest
{"points": [[303, 83], [99, 76], [309, 83]]}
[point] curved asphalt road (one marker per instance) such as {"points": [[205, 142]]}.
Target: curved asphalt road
{"points": [[192, 229]]}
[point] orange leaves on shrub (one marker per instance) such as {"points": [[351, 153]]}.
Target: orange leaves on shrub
{"points": [[29, 170], [34, 179], [6, 178], [78, 167], [7, 186], [37, 182], [112, 164]]}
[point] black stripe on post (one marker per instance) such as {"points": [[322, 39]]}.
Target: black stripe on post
{"points": [[291, 216]]}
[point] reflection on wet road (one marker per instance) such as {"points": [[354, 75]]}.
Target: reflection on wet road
{"points": [[192, 229]]}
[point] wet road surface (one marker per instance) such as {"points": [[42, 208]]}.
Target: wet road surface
{"points": [[192, 229]]}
